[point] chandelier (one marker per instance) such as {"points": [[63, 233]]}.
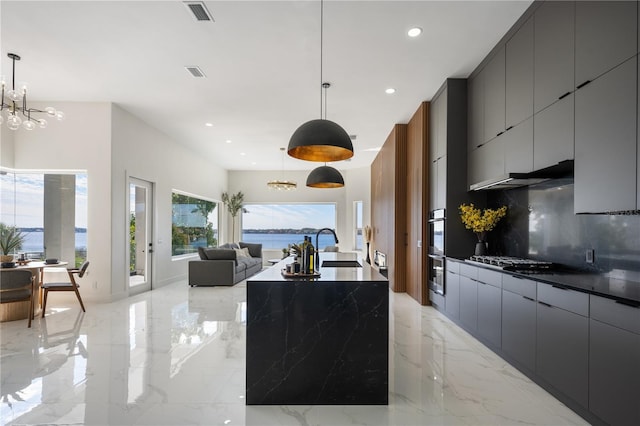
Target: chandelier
{"points": [[282, 185], [14, 104]]}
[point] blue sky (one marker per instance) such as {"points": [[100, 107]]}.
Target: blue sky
{"points": [[295, 216], [22, 203]]}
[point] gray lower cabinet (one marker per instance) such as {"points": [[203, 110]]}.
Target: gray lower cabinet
{"points": [[606, 142], [562, 342], [490, 313], [614, 367], [452, 305], [519, 328], [469, 302]]}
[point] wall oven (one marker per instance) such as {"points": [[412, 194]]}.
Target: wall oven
{"points": [[436, 251]]}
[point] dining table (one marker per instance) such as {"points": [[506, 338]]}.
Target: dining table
{"points": [[36, 267]]}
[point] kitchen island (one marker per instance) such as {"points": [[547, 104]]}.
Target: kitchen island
{"points": [[318, 340]]}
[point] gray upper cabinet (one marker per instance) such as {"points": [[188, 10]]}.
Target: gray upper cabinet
{"points": [[519, 75], [487, 161], [441, 183], [606, 142], [494, 96], [438, 128], [606, 35], [518, 148], [553, 52], [553, 134], [475, 111]]}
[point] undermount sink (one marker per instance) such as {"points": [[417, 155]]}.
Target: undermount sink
{"points": [[341, 264]]}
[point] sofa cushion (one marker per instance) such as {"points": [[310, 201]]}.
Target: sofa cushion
{"points": [[219, 254], [229, 246], [240, 266], [249, 261], [255, 249], [202, 254]]}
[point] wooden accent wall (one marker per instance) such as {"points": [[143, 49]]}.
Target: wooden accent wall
{"points": [[388, 205], [417, 204]]}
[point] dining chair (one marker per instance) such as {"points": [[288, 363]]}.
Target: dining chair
{"points": [[17, 286], [72, 285]]}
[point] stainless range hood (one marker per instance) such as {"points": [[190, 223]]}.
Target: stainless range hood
{"points": [[517, 180]]}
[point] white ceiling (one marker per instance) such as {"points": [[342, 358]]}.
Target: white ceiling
{"points": [[262, 65]]}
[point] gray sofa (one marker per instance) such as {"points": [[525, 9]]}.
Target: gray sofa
{"points": [[223, 265]]}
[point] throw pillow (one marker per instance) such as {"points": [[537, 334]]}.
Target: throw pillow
{"points": [[243, 252]]}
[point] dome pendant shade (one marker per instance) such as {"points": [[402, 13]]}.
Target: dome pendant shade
{"points": [[320, 140], [325, 177]]}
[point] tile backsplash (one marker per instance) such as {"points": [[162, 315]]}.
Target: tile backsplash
{"points": [[540, 224]]}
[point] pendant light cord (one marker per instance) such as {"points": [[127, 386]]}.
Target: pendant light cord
{"points": [[321, 38]]}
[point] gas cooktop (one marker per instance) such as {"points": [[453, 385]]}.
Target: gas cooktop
{"points": [[509, 263]]}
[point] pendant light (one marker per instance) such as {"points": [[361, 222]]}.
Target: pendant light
{"points": [[282, 184], [320, 140], [325, 177]]}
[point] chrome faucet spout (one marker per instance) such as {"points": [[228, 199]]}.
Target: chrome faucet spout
{"points": [[335, 237]]}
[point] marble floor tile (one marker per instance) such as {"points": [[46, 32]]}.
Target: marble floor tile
{"points": [[176, 356]]}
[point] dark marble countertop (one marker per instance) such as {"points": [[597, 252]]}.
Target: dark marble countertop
{"points": [[366, 273], [592, 283]]}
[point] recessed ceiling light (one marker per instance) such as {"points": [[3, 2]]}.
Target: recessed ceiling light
{"points": [[390, 91], [208, 124], [243, 153], [376, 149], [253, 163], [414, 32], [228, 141]]}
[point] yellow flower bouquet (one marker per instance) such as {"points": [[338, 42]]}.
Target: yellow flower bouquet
{"points": [[481, 221]]}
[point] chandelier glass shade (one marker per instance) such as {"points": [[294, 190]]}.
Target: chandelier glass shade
{"points": [[14, 109], [282, 184], [325, 177]]}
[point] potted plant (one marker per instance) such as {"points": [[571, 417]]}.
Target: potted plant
{"points": [[234, 205], [481, 222], [11, 239]]}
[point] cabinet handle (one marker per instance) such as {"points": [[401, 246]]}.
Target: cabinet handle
{"points": [[564, 96], [515, 276], [508, 128], [628, 303], [499, 134], [545, 304], [478, 146], [580, 86], [528, 298], [559, 287]]}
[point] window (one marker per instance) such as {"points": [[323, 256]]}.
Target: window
{"points": [[23, 205], [194, 223], [358, 224], [278, 225]]}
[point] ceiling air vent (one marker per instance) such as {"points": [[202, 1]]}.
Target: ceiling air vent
{"points": [[199, 11], [195, 71]]}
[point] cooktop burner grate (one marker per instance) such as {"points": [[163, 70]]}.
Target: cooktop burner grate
{"points": [[513, 263]]}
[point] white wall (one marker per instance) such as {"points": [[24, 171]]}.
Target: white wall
{"points": [[81, 142], [6, 147], [357, 188], [111, 144], [143, 152]]}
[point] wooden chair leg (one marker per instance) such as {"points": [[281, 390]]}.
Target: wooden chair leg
{"points": [[44, 303], [79, 298], [30, 309]]}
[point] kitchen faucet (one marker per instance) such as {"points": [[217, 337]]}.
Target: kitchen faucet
{"points": [[318, 248]]}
